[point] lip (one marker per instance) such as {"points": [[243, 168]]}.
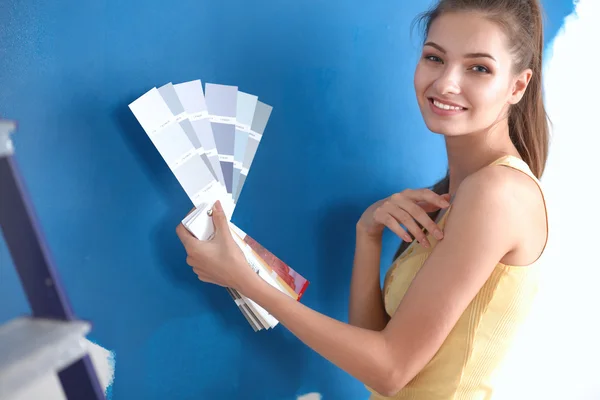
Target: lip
{"points": [[439, 111]]}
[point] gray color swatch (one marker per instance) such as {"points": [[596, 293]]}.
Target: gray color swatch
{"points": [[221, 100], [192, 99], [191, 134], [239, 151], [261, 117], [251, 149], [203, 130], [259, 123], [187, 127], [240, 186], [170, 97], [224, 138], [227, 168]]}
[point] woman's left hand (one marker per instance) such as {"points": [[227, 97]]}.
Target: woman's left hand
{"points": [[219, 260]]}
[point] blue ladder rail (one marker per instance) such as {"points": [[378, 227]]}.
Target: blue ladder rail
{"points": [[35, 267]]}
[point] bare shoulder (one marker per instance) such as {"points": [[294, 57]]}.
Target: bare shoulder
{"points": [[514, 198]]}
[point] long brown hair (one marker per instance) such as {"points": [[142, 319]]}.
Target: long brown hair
{"points": [[527, 120]]}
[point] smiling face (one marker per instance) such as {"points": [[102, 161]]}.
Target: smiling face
{"points": [[464, 80]]}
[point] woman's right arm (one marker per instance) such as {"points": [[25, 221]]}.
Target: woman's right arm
{"points": [[366, 308]]}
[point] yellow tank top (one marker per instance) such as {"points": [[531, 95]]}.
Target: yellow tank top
{"points": [[465, 366]]}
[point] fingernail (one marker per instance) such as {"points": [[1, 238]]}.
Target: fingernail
{"points": [[425, 243], [438, 234], [218, 206]]}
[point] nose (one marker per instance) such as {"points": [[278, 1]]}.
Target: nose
{"points": [[448, 82]]}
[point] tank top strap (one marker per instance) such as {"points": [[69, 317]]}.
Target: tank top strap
{"points": [[518, 164]]}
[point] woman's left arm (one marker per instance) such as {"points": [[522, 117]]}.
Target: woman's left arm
{"points": [[360, 352], [475, 239]]}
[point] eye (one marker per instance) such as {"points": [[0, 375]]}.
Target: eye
{"points": [[480, 68], [432, 58]]}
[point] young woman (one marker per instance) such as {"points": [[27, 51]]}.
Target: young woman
{"points": [[466, 272]]}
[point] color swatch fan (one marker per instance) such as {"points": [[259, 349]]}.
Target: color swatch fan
{"points": [[208, 139]]}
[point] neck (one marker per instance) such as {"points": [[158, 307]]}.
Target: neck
{"points": [[471, 152]]}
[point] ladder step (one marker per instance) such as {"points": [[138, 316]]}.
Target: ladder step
{"points": [[33, 347]]}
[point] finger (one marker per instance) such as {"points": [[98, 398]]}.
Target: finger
{"points": [[428, 196], [200, 272], [220, 219], [406, 211], [392, 224], [424, 219], [410, 224], [383, 216], [428, 207], [204, 278], [185, 236], [419, 212], [408, 221]]}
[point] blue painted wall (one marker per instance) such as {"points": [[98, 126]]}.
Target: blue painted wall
{"points": [[345, 131]]}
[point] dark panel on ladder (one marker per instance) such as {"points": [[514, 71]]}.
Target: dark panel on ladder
{"points": [[37, 273]]}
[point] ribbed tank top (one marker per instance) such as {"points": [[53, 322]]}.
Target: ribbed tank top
{"points": [[465, 366]]}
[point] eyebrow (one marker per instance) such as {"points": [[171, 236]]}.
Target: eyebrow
{"points": [[468, 55]]}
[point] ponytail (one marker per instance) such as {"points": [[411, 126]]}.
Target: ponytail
{"points": [[527, 120]]}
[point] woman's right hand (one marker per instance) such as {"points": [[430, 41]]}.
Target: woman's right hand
{"points": [[407, 208]]}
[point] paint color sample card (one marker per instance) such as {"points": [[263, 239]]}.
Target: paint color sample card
{"points": [[191, 96], [209, 139], [259, 123], [221, 102], [171, 98], [177, 150], [246, 107]]}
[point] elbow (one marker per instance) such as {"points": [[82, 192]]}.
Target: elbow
{"points": [[389, 390], [390, 384]]}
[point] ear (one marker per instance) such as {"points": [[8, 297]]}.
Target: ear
{"points": [[519, 86]]}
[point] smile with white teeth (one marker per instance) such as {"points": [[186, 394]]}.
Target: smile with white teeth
{"points": [[446, 106]]}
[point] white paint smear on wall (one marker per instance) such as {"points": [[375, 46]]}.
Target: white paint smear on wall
{"points": [[310, 396], [557, 354], [49, 388]]}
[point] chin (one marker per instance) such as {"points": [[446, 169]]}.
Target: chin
{"points": [[445, 128]]}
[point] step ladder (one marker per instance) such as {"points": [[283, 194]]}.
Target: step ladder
{"points": [[52, 339]]}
